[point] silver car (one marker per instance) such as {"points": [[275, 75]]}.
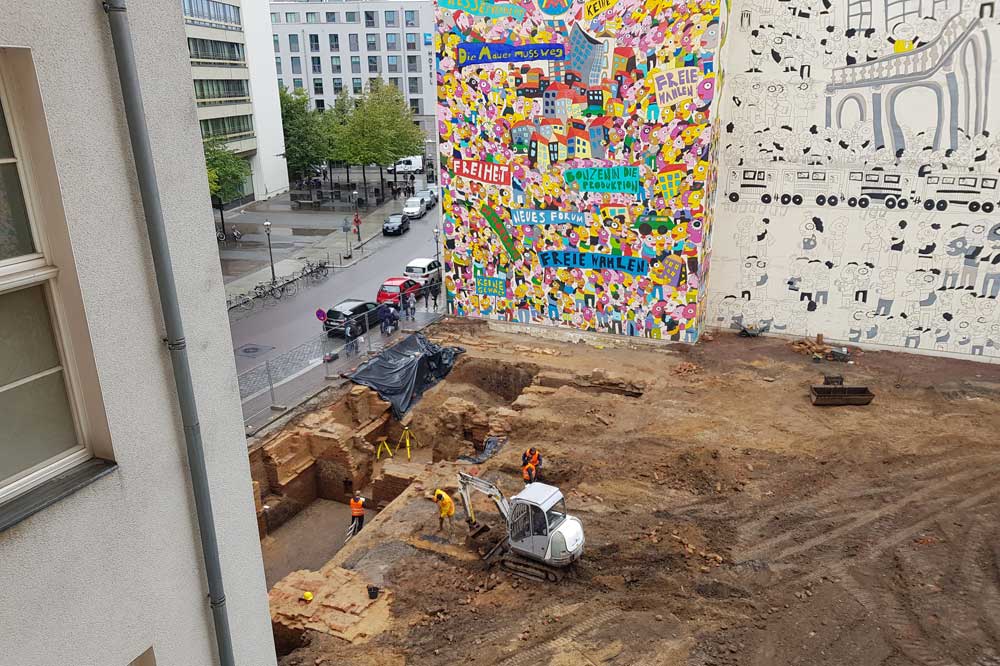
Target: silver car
{"points": [[414, 208]]}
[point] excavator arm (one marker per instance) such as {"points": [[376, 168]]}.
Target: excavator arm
{"points": [[466, 482]]}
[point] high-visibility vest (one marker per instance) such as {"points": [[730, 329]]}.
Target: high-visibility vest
{"points": [[357, 507], [531, 458], [528, 471]]}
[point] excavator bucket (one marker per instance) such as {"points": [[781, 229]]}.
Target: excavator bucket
{"points": [[475, 529]]}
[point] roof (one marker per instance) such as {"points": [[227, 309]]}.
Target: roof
{"points": [[421, 262], [347, 304], [395, 281], [541, 494]]}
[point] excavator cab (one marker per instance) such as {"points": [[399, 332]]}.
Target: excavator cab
{"points": [[540, 527], [541, 537]]}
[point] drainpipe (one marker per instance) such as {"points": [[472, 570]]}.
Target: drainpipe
{"points": [[148, 188]]}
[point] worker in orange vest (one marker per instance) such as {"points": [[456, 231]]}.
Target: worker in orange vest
{"points": [[533, 456], [446, 509], [357, 512], [528, 472]]}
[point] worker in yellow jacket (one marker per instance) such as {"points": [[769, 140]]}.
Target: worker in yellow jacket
{"points": [[446, 509]]}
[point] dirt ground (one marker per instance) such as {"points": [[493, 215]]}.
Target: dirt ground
{"points": [[728, 521]]}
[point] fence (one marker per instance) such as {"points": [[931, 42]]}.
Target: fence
{"points": [[291, 377]]}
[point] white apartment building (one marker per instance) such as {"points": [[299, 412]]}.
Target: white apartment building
{"points": [[234, 87], [101, 561], [325, 47]]}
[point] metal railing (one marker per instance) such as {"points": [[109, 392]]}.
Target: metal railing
{"points": [[287, 379]]}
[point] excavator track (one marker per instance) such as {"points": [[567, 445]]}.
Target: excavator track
{"points": [[518, 564], [526, 568]]}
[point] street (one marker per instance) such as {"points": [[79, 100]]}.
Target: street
{"points": [[277, 327]]}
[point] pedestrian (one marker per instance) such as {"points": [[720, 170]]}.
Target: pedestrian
{"points": [[392, 320], [348, 338], [446, 510], [426, 289], [411, 306], [357, 513], [436, 292]]}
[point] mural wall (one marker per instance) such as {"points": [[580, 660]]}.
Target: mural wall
{"points": [[576, 140], [858, 170]]}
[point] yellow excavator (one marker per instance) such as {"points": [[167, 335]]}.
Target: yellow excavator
{"points": [[541, 540]]}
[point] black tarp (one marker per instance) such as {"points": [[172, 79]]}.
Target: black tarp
{"points": [[401, 373]]}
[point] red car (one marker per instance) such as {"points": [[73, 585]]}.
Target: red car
{"points": [[393, 288]]}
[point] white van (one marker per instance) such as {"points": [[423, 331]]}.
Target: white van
{"points": [[412, 164], [423, 270]]}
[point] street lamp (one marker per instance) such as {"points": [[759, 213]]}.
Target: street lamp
{"points": [[357, 217], [437, 244], [270, 255]]}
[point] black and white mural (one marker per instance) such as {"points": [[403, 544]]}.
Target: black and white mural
{"points": [[858, 170]]}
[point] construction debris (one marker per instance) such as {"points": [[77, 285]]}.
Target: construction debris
{"points": [[341, 606], [686, 369], [811, 347]]}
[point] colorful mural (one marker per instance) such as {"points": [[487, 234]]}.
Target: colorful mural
{"points": [[576, 146]]}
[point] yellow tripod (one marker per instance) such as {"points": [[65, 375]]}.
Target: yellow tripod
{"points": [[383, 444], [405, 438]]}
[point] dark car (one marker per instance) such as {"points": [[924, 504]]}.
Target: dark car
{"points": [[395, 225], [364, 315]]}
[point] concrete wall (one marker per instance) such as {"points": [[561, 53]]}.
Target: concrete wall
{"points": [[858, 173], [599, 223], [270, 172], [115, 568]]}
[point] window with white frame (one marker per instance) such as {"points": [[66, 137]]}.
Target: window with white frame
{"points": [[41, 434]]}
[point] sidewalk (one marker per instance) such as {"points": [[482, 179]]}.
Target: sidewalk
{"points": [[271, 389], [339, 249]]}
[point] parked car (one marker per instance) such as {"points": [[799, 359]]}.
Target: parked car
{"points": [[429, 195], [414, 207], [362, 313], [412, 164], [423, 270], [394, 288], [395, 225]]}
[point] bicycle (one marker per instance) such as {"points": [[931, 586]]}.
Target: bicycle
{"points": [[236, 234], [264, 289], [241, 301], [314, 271]]}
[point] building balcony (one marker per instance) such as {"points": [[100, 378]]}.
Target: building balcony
{"points": [[244, 108], [217, 62], [210, 71], [208, 23], [222, 101]]}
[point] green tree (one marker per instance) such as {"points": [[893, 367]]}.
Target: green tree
{"points": [[305, 142], [379, 129], [402, 136], [332, 124], [226, 171]]}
